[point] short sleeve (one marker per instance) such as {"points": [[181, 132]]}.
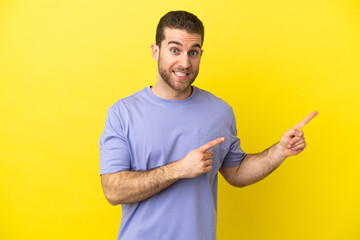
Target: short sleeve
{"points": [[114, 152], [235, 154]]}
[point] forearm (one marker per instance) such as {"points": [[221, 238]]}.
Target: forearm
{"points": [[255, 167], [134, 186]]}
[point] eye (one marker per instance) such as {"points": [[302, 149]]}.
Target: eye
{"points": [[193, 53], [174, 50]]}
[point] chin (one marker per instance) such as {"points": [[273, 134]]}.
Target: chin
{"points": [[182, 86]]}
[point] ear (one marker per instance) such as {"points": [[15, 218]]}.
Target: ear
{"points": [[155, 51], [201, 53]]}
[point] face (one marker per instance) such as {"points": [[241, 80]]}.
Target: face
{"points": [[178, 58]]}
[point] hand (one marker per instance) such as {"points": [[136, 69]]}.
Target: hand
{"points": [[293, 141], [198, 161]]}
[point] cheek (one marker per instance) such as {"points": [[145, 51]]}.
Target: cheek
{"points": [[195, 64], [168, 60]]}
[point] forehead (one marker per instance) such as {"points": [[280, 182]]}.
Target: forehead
{"points": [[182, 36]]}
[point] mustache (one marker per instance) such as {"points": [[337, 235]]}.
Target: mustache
{"points": [[188, 70]]}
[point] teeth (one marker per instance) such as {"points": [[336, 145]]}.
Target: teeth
{"points": [[180, 74]]}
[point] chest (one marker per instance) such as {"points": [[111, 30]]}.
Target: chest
{"points": [[158, 136]]}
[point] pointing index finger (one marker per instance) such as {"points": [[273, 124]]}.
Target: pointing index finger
{"points": [[211, 144], [301, 124]]}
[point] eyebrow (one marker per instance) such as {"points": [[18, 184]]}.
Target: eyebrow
{"points": [[177, 43]]}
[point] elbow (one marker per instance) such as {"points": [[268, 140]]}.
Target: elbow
{"points": [[113, 200], [114, 196], [113, 203], [111, 189], [236, 182], [240, 183]]}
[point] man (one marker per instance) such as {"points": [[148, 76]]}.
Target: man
{"points": [[162, 147]]}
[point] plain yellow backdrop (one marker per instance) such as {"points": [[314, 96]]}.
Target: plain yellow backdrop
{"points": [[63, 63]]}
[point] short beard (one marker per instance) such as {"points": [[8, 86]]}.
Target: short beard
{"points": [[166, 77]]}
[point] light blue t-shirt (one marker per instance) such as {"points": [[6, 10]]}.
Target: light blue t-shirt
{"points": [[143, 132]]}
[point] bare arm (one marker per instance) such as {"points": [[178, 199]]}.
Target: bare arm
{"points": [[255, 167], [134, 186]]}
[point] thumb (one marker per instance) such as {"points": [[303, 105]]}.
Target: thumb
{"points": [[288, 135]]}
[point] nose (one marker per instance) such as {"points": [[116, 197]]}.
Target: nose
{"points": [[184, 61]]}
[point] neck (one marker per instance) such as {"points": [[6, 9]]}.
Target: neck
{"points": [[164, 91]]}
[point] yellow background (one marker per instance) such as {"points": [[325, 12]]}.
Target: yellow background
{"points": [[63, 63]]}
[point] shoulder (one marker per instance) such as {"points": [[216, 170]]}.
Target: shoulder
{"points": [[133, 99], [212, 100]]}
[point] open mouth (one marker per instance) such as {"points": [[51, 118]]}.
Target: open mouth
{"points": [[180, 74]]}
